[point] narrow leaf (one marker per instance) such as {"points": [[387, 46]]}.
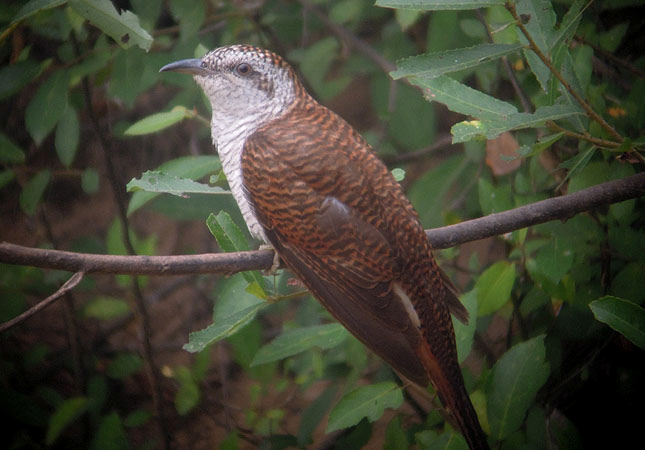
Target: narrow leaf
{"points": [[66, 413], [465, 334], [432, 65], [157, 122], [494, 287], [47, 106], [10, 153], [366, 401], [33, 7], [14, 77], [67, 136], [625, 317], [223, 328], [516, 379], [160, 182], [437, 5], [193, 167], [313, 414], [231, 239], [541, 21], [488, 129], [569, 23], [106, 308], [123, 27], [110, 434], [33, 191], [463, 99], [296, 341]]}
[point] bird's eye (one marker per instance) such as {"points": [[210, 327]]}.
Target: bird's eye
{"points": [[244, 69], [203, 64]]}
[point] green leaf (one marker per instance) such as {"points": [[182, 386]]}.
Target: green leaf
{"points": [[67, 135], [124, 365], [188, 394], [465, 334], [160, 182], [625, 317], [395, 436], [313, 414], [575, 165], [296, 341], [124, 28], [398, 174], [366, 401], [516, 379], [66, 413], [6, 176], [10, 153], [569, 23], [494, 199], [222, 328], [159, 121], [106, 308], [432, 65], [233, 296], [554, 260], [488, 129], [231, 239], [14, 77], [462, 99], [435, 5], [47, 106], [541, 21], [494, 287], [192, 167], [316, 61], [137, 418], [449, 440], [90, 181], [33, 7], [430, 192], [110, 434], [33, 190]]}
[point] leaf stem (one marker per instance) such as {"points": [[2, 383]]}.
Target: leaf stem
{"points": [[510, 6]]}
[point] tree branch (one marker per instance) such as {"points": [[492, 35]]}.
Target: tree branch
{"points": [[68, 286], [558, 208]]}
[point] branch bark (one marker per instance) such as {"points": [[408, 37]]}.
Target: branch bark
{"points": [[558, 208]]}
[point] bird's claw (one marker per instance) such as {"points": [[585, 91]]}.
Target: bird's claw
{"points": [[273, 270]]}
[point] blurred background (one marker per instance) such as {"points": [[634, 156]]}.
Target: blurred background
{"points": [[104, 367]]}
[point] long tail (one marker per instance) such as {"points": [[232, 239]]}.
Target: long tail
{"points": [[452, 393]]}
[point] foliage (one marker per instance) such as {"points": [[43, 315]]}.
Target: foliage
{"points": [[539, 94]]}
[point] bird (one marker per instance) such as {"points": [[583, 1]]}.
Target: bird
{"points": [[312, 188]]}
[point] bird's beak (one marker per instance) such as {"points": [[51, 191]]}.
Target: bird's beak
{"points": [[189, 66]]}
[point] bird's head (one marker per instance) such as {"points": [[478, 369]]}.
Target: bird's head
{"points": [[245, 85]]}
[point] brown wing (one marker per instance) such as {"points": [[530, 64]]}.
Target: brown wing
{"points": [[335, 216]]}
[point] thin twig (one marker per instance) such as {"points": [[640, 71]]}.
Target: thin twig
{"points": [[510, 6], [613, 58], [584, 137], [68, 286], [526, 103]]}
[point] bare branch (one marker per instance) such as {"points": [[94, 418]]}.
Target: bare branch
{"points": [[68, 286], [558, 208]]}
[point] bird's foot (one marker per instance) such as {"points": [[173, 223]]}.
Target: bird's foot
{"points": [[273, 270]]}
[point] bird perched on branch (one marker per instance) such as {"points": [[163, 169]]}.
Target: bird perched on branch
{"points": [[311, 187]]}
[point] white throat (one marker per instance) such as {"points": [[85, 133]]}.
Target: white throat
{"points": [[237, 114]]}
